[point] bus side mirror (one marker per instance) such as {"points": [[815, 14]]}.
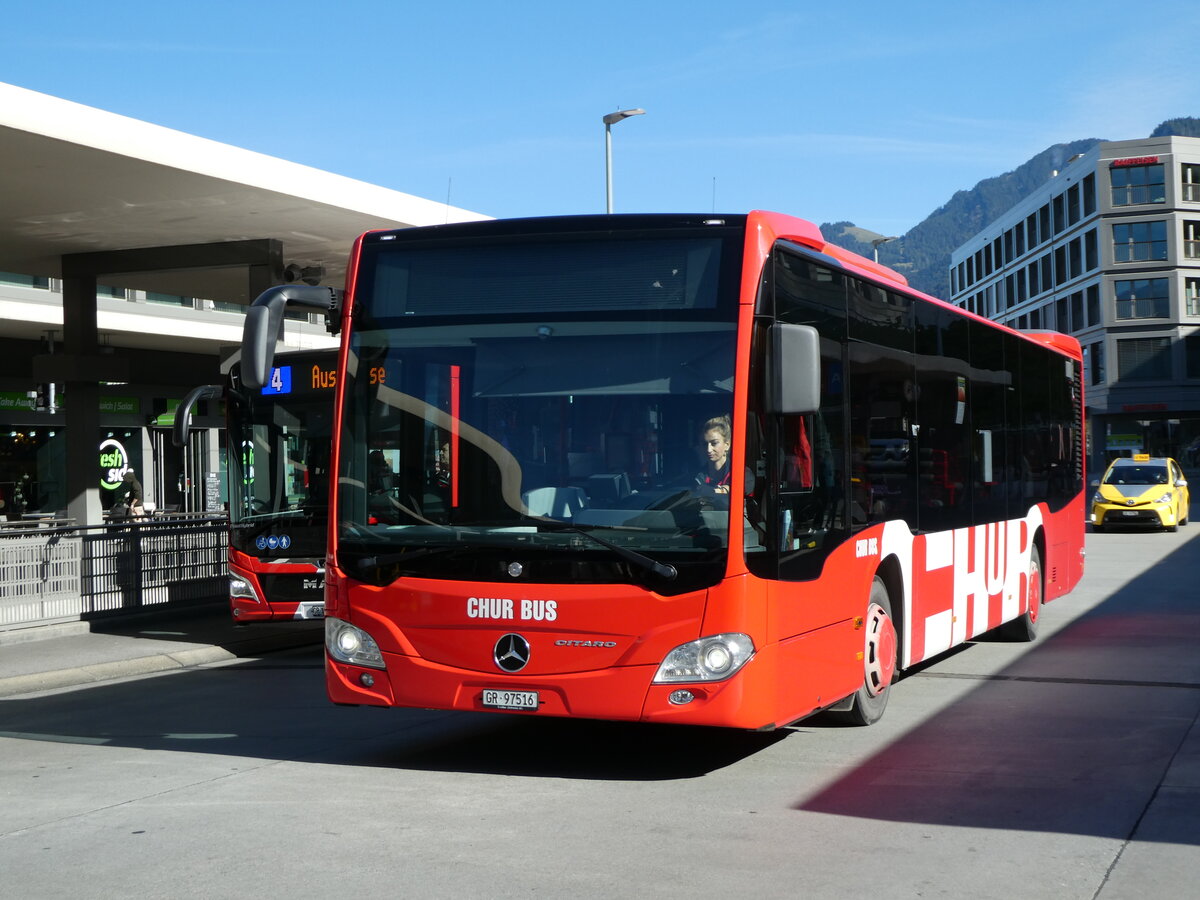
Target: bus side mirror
{"points": [[793, 370], [264, 326], [259, 334], [183, 413]]}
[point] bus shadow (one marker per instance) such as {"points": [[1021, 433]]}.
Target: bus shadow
{"points": [[276, 710], [1079, 736], [579, 749]]}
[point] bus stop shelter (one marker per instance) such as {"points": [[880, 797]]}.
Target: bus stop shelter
{"points": [[87, 194]]}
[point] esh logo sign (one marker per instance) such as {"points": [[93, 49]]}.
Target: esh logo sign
{"points": [[114, 463]]}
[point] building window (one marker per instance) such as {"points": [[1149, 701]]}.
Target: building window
{"points": [[1093, 304], [1095, 363], [1192, 290], [1191, 239], [1138, 184], [1143, 298], [1090, 252], [1190, 180], [1144, 359], [35, 281], [1191, 346], [1089, 195], [168, 299], [1136, 241], [1077, 322], [1031, 230]]}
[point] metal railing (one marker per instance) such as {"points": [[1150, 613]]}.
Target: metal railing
{"points": [[52, 571]]}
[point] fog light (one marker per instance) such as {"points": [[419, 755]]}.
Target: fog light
{"points": [[681, 697], [367, 679]]}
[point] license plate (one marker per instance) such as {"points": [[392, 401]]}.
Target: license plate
{"points": [[510, 699], [1128, 512]]}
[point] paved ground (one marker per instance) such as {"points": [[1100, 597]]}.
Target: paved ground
{"points": [[1068, 769], [78, 653]]}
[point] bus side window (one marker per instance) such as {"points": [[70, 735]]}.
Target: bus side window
{"points": [[797, 468]]}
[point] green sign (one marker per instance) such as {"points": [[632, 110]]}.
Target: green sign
{"points": [[131, 405], [15, 400]]}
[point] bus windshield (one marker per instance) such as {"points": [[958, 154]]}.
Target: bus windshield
{"points": [[279, 459], [512, 401]]}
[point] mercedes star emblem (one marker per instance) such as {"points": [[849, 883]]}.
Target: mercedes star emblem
{"points": [[512, 653]]}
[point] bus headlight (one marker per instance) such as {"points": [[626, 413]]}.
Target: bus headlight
{"points": [[348, 644], [242, 588], [708, 659]]}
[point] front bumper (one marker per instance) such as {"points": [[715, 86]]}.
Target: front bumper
{"points": [[1153, 515]]}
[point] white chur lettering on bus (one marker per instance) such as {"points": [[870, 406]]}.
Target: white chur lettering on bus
{"points": [[990, 563], [489, 608], [505, 608], [970, 592]]}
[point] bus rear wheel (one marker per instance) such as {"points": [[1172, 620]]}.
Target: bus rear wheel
{"points": [[1025, 626], [879, 660]]}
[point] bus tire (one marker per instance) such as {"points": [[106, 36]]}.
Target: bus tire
{"points": [[1025, 627], [879, 661]]}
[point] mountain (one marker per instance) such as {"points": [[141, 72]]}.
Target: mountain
{"points": [[922, 254]]}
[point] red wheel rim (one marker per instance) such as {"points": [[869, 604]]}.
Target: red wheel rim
{"points": [[880, 657], [1033, 593]]}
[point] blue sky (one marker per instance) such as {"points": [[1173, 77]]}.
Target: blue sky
{"points": [[873, 112]]}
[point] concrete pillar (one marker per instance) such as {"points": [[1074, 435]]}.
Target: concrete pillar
{"points": [[82, 401]]}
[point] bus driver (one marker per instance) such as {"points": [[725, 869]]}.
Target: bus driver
{"points": [[715, 477]]}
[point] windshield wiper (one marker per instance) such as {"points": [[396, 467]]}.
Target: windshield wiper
{"points": [[663, 570]]}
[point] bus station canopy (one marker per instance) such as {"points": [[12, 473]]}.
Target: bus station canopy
{"points": [[74, 179]]}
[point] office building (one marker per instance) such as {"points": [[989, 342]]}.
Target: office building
{"points": [[1108, 250]]}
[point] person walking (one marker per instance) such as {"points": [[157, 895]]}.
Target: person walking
{"points": [[132, 495]]}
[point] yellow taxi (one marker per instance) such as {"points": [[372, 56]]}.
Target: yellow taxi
{"points": [[1143, 490]]}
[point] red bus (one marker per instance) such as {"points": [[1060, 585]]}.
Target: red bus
{"points": [[279, 435], [666, 468]]}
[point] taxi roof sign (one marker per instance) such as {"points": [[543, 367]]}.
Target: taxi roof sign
{"points": [[1141, 457]]}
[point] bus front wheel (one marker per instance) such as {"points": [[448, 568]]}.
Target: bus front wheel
{"points": [[879, 660]]}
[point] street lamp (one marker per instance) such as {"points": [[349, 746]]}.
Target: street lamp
{"points": [[881, 240], [609, 120]]}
